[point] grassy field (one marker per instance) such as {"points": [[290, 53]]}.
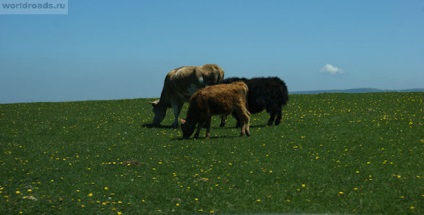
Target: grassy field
{"points": [[333, 153]]}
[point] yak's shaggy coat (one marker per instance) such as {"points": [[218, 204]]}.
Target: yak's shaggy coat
{"points": [[269, 93], [213, 100]]}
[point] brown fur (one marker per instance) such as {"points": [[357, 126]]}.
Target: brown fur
{"points": [[179, 86], [214, 100]]}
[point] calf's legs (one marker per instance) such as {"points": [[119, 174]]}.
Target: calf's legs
{"points": [[205, 121], [208, 127], [244, 116], [199, 127]]}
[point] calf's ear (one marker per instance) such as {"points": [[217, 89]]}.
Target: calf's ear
{"points": [[183, 121]]}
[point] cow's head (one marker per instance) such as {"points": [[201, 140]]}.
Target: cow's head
{"points": [[187, 128], [159, 112]]}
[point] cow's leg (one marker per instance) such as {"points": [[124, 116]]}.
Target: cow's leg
{"points": [[238, 119], [208, 127], [247, 124], [200, 125], [271, 118], [177, 110], [271, 110], [244, 117], [245, 128], [223, 118], [279, 116]]}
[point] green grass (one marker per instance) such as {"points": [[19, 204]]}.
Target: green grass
{"points": [[333, 153]]}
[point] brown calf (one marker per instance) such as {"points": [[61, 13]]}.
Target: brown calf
{"points": [[214, 100]]}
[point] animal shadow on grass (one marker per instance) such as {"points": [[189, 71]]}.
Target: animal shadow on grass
{"points": [[260, 126], [201, 137], [236, 127], [150, 125], [210, 138]]}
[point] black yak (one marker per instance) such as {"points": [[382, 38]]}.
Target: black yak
{"points": [[268, 93]]}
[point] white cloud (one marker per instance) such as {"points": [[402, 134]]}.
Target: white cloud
{"points": [[332, 70]]}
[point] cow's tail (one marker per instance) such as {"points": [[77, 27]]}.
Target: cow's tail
{"points": [[285, 93]]}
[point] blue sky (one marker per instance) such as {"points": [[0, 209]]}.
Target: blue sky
{"points": [[105, 49]]}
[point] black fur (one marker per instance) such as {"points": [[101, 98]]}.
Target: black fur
{"points": [[268, 93]]}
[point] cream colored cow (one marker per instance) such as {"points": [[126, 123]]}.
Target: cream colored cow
{"points": [[180, 84]]}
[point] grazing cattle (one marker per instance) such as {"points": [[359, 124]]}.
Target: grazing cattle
{"points": [[269, 93], [180, 84], [216, 99]]}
